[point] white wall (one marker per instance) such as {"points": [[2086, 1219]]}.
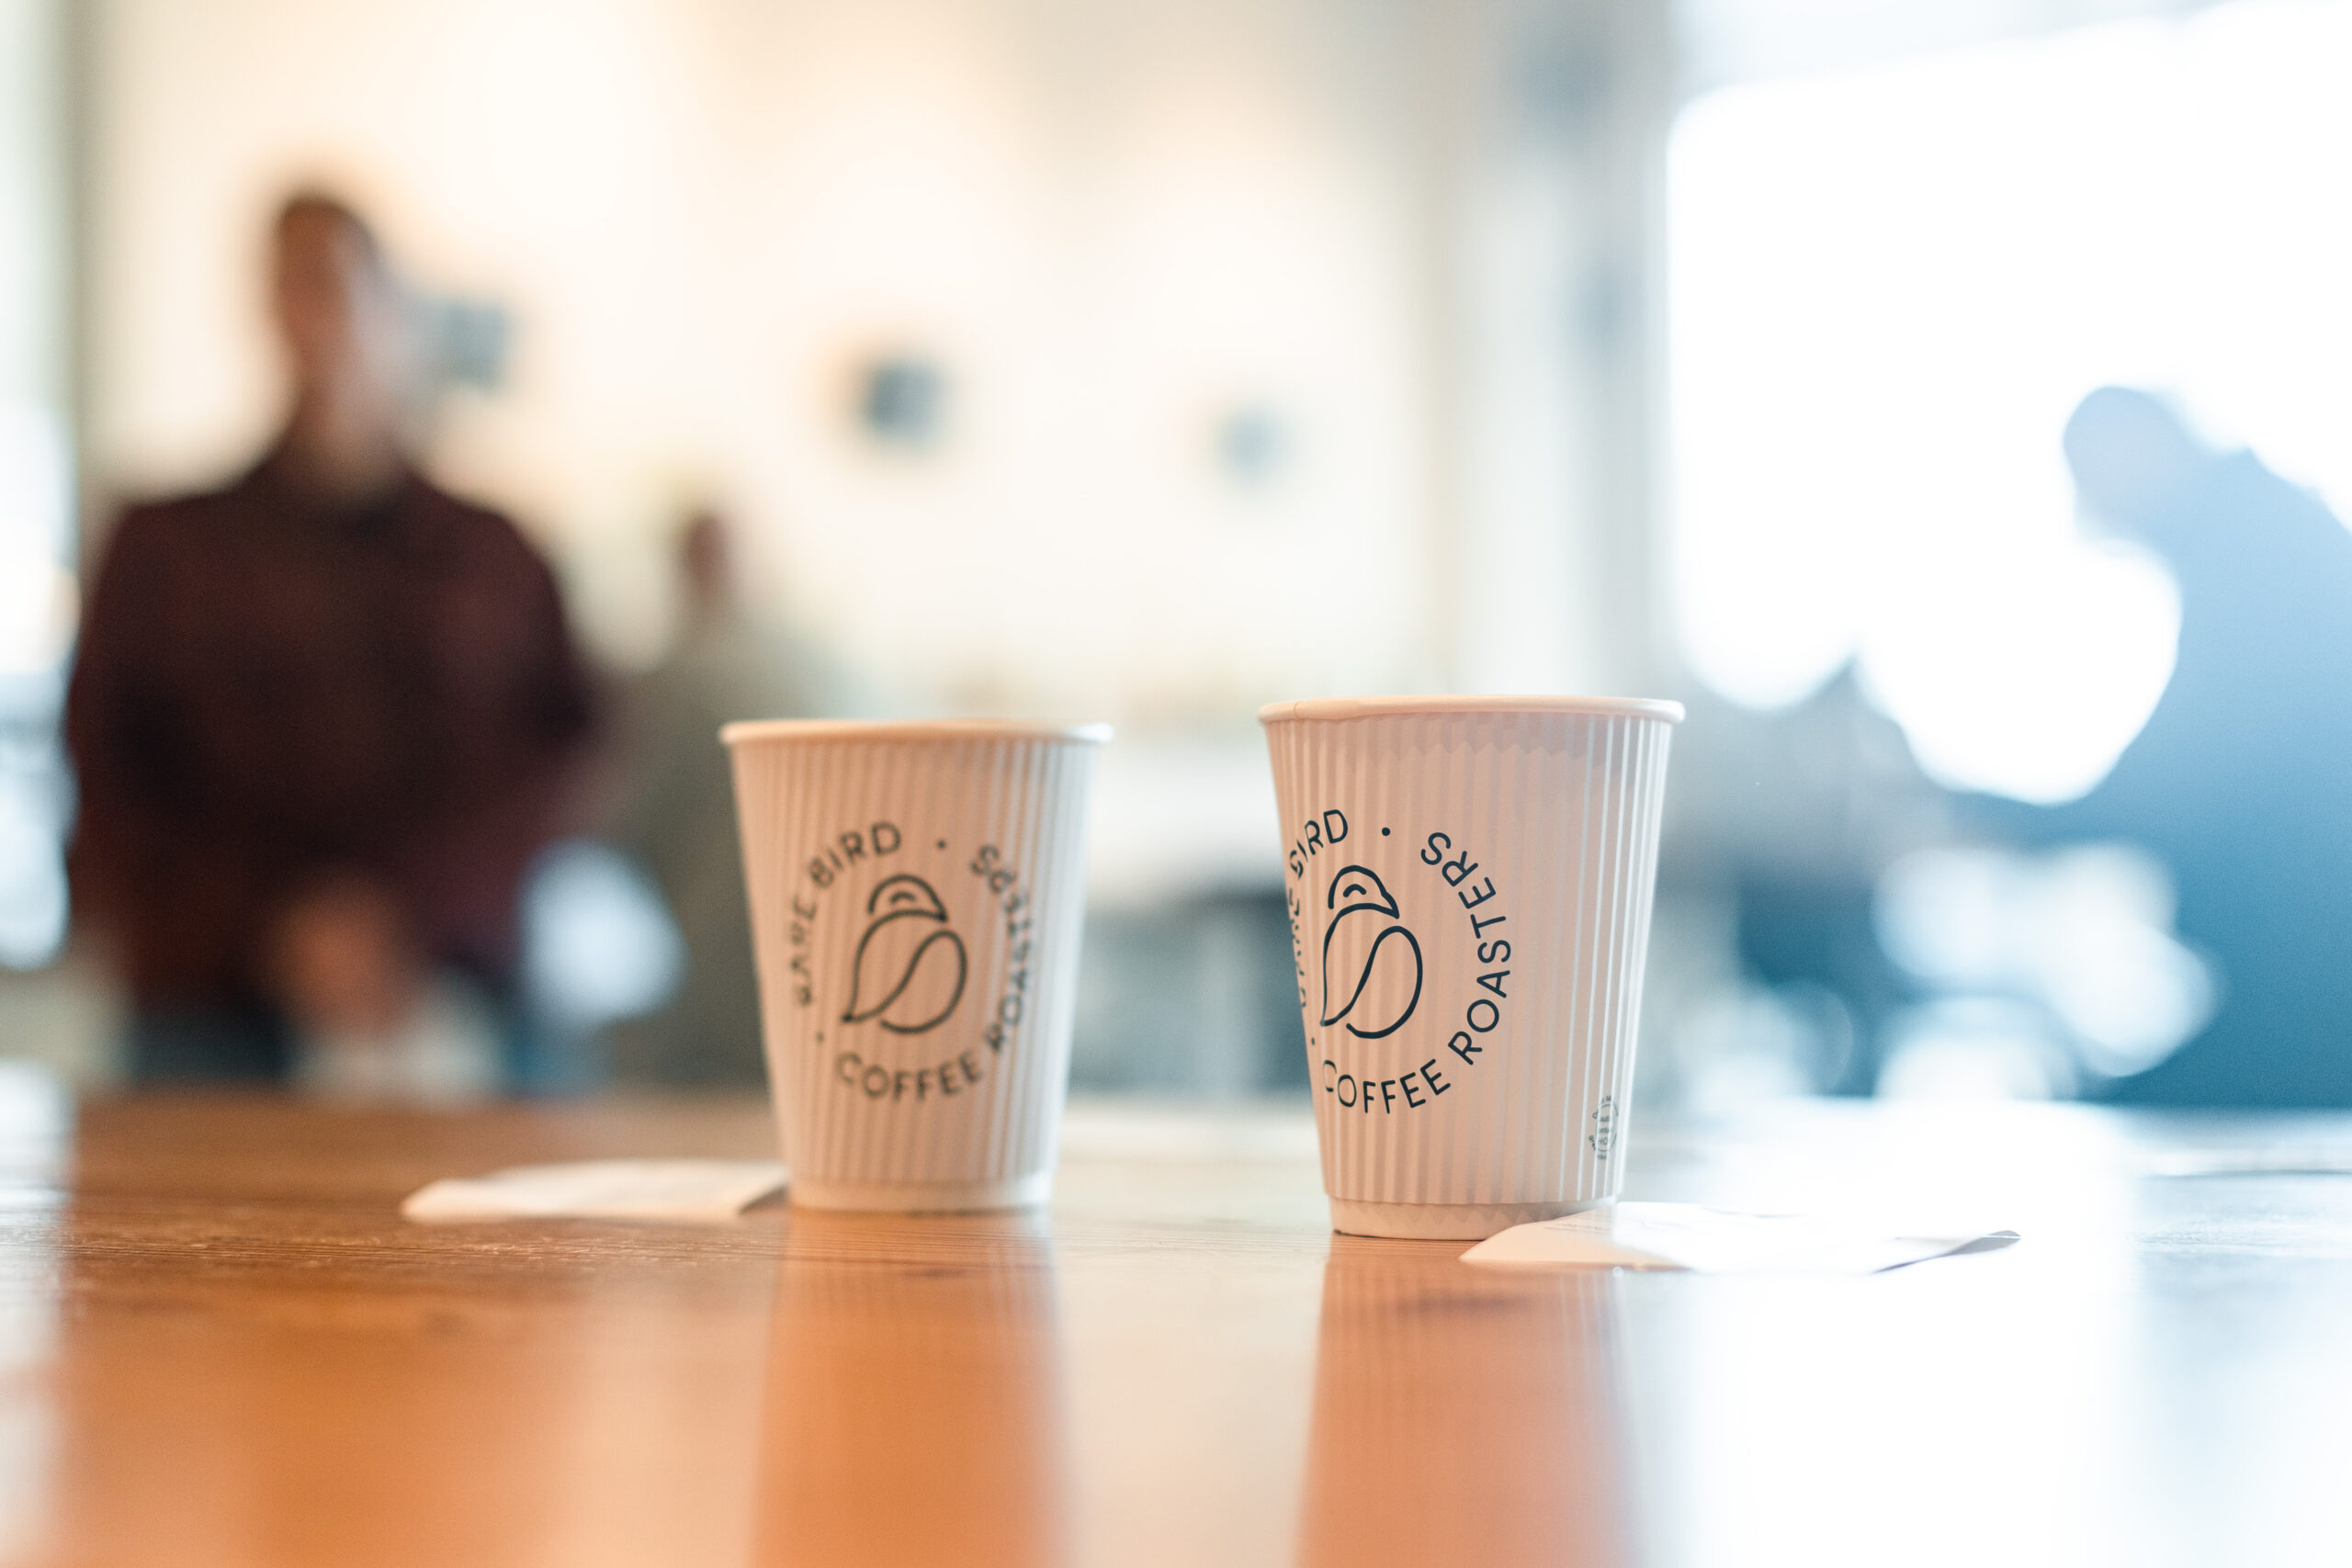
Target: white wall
{"points": [[36, 494], [1114, 222]]}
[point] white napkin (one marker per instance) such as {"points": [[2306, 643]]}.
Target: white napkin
{"points": [[1710, 1240], [603, 1188]]}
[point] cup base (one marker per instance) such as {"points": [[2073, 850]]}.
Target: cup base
{"points": [[922, 1197], [1442, 1222]]}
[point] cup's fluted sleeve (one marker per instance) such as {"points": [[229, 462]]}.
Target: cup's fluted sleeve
{"points": [[917, 894], [1469, 889]]}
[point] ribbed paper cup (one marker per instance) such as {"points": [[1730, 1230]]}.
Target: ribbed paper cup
{"points": [[917, 892], [1469, 882]]}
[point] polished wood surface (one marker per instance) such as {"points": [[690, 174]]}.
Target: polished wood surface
{"points": [[219, 1345]]}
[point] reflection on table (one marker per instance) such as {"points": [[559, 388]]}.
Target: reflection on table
{"points": [[1462, 1415], [220, 1346], [915, 1410]]}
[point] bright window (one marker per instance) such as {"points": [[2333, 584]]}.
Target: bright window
{"points": [[1889, 289]]}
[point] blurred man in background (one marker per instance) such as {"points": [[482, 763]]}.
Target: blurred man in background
{"points": [[321, 719], [678, 816], [2241, 781]]}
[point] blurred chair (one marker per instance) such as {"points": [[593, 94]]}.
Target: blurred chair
{"points": [[1790, 819], [1190, 995]]}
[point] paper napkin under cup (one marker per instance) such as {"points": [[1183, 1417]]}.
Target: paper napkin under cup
{"points": [[701, 1190], [1714, 1241]]}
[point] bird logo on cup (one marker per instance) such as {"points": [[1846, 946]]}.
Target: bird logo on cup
{"points": [[1372, 964], [908, 972]]}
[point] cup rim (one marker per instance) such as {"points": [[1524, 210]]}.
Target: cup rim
{"points": [[756, 729], [1373, 707]]}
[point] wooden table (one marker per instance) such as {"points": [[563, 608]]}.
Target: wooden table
{"points": [[220, 1346]]}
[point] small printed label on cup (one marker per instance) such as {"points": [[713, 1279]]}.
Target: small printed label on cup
{"points": [[1378, 898], [880, 953]]}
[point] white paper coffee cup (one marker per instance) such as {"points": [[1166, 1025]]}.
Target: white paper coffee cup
{"points": [[1469, 882], [917, 892]]}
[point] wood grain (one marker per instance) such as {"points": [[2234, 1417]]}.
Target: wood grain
{"points": [[219, 1345]]}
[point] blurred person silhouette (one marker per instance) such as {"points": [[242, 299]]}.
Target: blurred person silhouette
{"points": [[2241, 781], [322, 720], [677, 813]]}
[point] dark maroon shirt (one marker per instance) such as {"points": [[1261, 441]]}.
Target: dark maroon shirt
{"points": [[271, 690]]}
